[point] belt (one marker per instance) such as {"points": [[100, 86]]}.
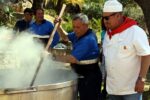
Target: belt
{"points": [[85, 62]]}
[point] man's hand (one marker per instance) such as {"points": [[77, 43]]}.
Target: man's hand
{"points": [[45, 53], [139, 86], [57, 20]]}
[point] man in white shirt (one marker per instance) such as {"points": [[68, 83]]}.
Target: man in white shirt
{"points": [[127, 54]]}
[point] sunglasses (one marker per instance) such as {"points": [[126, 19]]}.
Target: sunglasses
{"points": [[107, 17]]}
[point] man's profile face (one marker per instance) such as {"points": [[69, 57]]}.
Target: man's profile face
{"points": [[110, 20], [79, 27]]}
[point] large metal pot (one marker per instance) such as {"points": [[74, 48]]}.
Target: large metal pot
{"points": [[58, 91], [50, 84]]}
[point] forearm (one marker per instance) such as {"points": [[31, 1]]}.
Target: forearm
{"points": [[62, 33], [65, 58], [144, 65], [139, 87]]}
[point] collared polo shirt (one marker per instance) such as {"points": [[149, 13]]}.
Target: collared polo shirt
{"points": [[45, 28], [85, 47], [123, 59], [21, 25]]}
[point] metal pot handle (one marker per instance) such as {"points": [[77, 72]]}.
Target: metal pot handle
{"points": [[14, 91]]}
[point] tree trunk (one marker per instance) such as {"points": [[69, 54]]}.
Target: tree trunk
{"points": [[37, 4], [59, 5], [144, 4]]}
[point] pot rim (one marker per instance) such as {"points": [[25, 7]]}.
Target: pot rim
{"points": [[40, 87]]}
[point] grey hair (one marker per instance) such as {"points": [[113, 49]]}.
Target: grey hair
{"points": [[84, 19]]}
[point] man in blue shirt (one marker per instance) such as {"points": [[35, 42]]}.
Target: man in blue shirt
{"points": [[84, 57], [43, 27], [24, 24]]}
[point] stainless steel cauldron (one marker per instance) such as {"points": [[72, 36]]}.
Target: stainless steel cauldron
{"points": [[50, 84], [58, 91]]}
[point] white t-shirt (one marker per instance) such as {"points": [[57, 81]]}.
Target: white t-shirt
{"points": [[123, 59]]}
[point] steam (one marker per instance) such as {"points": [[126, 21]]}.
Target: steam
{"points": [[19, 58]]}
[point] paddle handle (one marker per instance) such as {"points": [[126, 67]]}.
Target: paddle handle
{"points": [[55, 28]]}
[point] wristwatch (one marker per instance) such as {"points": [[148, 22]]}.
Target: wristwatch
{"points": [[142, 79]]}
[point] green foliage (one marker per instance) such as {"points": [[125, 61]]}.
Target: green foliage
{"points": [[6, 16], [95, 24], [92, 10], [50, 12], [136, 13], [67, 23], [79, 2], [127, 2]]}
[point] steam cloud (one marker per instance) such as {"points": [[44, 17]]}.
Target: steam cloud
{"points": [[19, 58]]}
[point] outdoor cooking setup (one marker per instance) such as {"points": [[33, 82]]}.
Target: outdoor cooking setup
{"points": [[46, 81]]}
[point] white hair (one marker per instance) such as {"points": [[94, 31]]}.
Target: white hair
{"points": [[84, 19]]}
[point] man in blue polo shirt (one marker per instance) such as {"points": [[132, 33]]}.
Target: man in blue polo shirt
{"points": [[43, 27], [84, 57]]}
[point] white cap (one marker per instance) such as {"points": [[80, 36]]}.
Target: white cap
{"points": [[112, 6]]}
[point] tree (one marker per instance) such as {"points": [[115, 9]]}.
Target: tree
{"points": [[144, 4], [37, 4], [59, 4]]}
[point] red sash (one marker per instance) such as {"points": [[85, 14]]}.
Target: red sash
{"points": [[126, 24]]}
